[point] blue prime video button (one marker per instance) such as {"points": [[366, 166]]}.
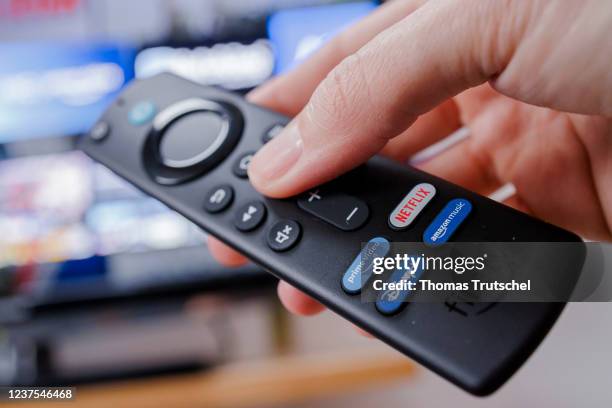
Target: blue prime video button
{"points": [[391, 300], [361, 269], [142, 113], [447, 221]]}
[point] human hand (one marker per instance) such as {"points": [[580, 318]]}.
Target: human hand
{"points": [[530, 80]]}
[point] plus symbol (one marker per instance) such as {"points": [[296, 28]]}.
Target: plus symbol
{"points": [[314, 196]]}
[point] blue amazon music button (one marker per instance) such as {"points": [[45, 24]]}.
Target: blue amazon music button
{"points": [[447, 221]]}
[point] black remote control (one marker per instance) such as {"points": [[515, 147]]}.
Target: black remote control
{"points": [[190, 145]]}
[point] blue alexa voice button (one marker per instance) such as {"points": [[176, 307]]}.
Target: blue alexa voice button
{"points": [[398, 287], [362, 266], [141, 113], [447, 221]]}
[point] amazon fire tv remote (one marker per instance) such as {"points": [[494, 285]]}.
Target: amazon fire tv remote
{"points": [[190, 145]]}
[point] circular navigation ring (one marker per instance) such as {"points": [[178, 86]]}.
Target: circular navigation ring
{"points": [[189, 138]]}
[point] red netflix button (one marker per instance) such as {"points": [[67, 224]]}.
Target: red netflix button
{"points": [[409, 208]]}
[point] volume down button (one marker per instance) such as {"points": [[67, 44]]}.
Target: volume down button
{"points": [[340, 210]]}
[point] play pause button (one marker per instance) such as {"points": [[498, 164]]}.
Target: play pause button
{"points": [[250, 216]]}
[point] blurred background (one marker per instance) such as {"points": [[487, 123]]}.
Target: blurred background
{"points": [[106, 289]]}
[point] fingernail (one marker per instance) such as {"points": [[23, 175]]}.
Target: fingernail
{"points": [[263, 92], [256, 94], [278, 155]]}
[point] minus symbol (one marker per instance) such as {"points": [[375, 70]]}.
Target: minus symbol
{"points": [[351, 214]]}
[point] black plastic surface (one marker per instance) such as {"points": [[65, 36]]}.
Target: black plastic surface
{"points": [[478, 347], [342, 211]]}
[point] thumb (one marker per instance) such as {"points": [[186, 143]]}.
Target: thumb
{"points": [[373, 95]]}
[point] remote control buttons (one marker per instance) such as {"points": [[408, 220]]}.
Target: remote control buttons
{"points": [[392, 300], [189, 138], [250, 216], [141, 113], [100, 131], [360, 270], [447, 221], [411, 205], [218, 198], [342, 211], [284, 235], [241, 165], [272, 133]]}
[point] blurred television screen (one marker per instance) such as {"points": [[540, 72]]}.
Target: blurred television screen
{"points": [[62, 62], [55, 89], [73, 233], [297, 32], [62, 206]]}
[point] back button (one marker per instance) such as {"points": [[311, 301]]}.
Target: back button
{"points": [[218, 198]]}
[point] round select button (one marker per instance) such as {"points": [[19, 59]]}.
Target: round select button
{"points": [[192, 139], [189, 138]]}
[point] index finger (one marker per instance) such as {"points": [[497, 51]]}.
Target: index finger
{"points": [[287, 94]]}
